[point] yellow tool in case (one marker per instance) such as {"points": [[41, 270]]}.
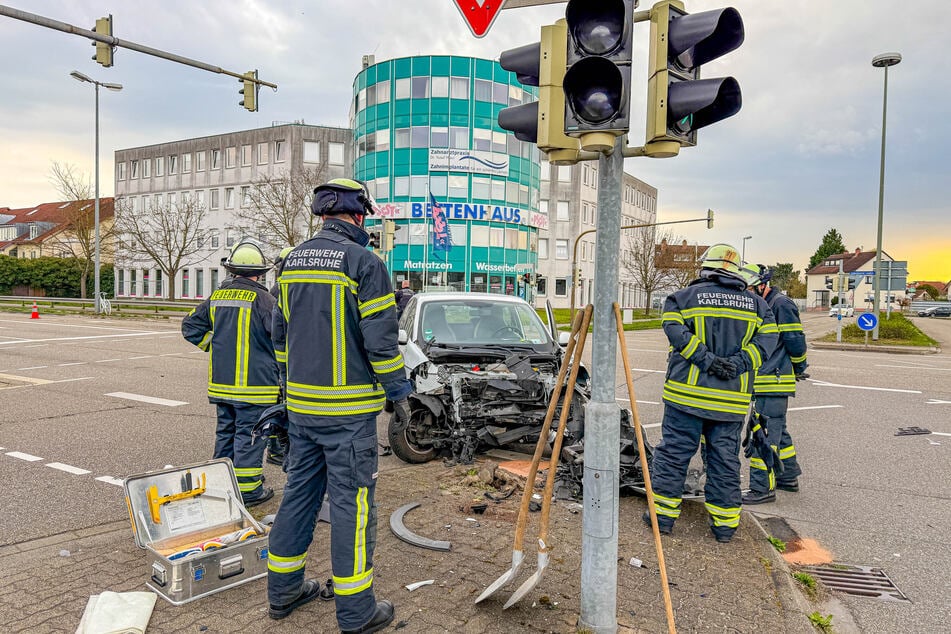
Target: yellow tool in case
{"points": [[198, 536]]}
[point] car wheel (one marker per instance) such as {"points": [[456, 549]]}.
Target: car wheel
{"points": [[404, 439]]}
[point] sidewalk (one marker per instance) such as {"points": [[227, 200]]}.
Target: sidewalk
{"points": [[743, 586]]}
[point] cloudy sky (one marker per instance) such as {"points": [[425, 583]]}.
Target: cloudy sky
{"points": [[801, 157]]}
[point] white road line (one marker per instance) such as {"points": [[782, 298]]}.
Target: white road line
{"points": [[131, 334], [196, 352], [23, 456], [157, 332], [627, 400], [939, 433], [170, 354], [651, 425], [145, 356], [107, 360], [39, 345], [934, 401], [646, 370], [799, 409], [863, 387], [34, 367], [147, 399], [74, 363], [912, 367], [110, 480], [67, 468]]}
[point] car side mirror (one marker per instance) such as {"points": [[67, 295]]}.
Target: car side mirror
{"points": [[564, 338], [402, 338]]}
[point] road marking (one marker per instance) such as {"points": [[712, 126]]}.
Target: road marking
{"points": [[67, 468], [87, 337], [26, 379], [196, 352], [157, 332], [146, 356], [75, 363], [39, 345], [170, 354], [913, 367], [799, 409], [110, 480], [34, 367], [646, 370], [934, 401], [107, 360], [627, 400], [23, 456], [939, 433], [863, 387], [651, 425], [147, 399]]}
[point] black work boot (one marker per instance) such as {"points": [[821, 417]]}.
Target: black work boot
{"points": [[791, 485], [260, 496], [664, 527], [381, 618], [758, 497], [309, 591]]}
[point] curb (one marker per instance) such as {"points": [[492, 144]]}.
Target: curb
{"points": [[821, 345]]}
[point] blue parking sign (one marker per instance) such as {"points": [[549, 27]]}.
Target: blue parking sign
{"points": [[867, 321]]}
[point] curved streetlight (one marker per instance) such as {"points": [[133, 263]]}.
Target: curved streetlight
{"points": [[884, 60], [78, 76], [743, 254]]}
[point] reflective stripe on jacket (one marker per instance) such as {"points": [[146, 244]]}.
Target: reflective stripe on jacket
{"points": [[335, 325], [776, 375], [715, 317], [234, 327]]}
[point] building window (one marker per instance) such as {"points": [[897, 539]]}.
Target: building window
{"points": [[543, 248], [458, 186], [483, 90], [419, 187], [562, 212], [245, 196], [147, 168], [561, 249], [543, 207], [561, 287], [245, 155], [229, 238], [496, 236], [335, 153], [215, 159], [541, 286], [440, 87], [311, 151], [482, 139], [459, 88], [500, 93], [419, 136], [120, 171], [173, 164], [186, 163], [383, 91], [420, 87], [382, 188], [214, 279], [459, 138], [121, 289], [229, 199], [160, 166], [402, 138], [200, 161], [133, 169], [231, 157], [401, 186], [158, 282], [262, 153], [498, 190], [564, 173], [403, 88], [184, 283], [215, 194], [132, 282], [199, 283], [280, 151], [214, 243], [439, 136], [481, 187]]}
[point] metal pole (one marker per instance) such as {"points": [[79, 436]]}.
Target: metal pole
{"points": [[838, 329], [603, 416], [96, 220], [881, 206]]}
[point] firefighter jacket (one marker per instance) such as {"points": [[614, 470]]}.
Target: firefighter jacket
{"points": [[234, 327], [335, 325], [715, 317], [776, 375]]}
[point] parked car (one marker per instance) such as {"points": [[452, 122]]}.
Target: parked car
{"points": [[845, 309], [935, 311]]}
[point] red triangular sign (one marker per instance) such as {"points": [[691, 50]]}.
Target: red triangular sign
{"points": [[479, 14]]}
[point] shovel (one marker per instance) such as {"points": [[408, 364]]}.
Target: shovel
{"points": [[517, 555], [532, 581]]}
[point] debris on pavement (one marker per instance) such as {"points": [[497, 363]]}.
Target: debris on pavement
{"points": [[406, 535], [420, 584], [637, 563], [912, 431]]}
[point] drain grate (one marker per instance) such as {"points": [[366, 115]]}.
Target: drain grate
{"points": [[862, 581]]}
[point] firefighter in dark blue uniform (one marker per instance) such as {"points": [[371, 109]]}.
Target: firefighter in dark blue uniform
{"points": [[719, 336], [335, 328], [775, 383], [234, 326], [275, 452]]}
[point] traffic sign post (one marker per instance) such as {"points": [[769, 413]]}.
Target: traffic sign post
{"points": [[867, 322], [479, 18]]}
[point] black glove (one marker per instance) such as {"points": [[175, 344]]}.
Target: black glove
{"points": [[802, 376], [402, 411], [722, 369], [799, 369]]}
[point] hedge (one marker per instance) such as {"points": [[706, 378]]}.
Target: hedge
{"points": [[50, 277]]}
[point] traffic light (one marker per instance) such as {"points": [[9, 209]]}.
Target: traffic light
{"points": [[851, 285], [375, 241], [678, 102], [103, 51], [389, 236], [541, 122], [832, 283], [598, 80], [250, 91], [709, 219]]}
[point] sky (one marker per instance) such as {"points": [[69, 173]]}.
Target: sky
{"points": [[801, 157]]}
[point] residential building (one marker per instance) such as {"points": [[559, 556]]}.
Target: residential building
{"points": [[858, 265], [55, 229]]}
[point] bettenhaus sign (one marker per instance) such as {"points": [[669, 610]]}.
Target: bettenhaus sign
{"points": [[465, 211], [472, 161]]}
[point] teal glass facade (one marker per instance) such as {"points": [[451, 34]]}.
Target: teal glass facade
{"points": [[427, 128]]}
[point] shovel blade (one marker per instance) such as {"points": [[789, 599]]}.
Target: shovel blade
{"points": [[530, 583], [507, 577]]}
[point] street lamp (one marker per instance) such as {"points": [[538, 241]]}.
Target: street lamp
{"points": [[78, 76], [883, 60], [743, 255]]}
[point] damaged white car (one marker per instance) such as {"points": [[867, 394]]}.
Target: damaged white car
{"points": [[483, 367]]}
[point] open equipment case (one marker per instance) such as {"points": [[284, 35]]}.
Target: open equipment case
{"points": [[198, 536]]}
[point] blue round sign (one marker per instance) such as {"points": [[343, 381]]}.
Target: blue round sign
{"points": [[867, 321]]}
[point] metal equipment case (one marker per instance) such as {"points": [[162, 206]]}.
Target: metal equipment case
{"points": [[198, 537]]}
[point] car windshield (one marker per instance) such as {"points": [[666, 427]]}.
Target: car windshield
{"points": [[480, 322]]}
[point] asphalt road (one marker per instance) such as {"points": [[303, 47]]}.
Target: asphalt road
{"points": [[868, 496]]}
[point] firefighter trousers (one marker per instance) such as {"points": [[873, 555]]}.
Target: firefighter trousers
{"points": [[233, 441], [761, 478], [339, 454], [681, 438]]}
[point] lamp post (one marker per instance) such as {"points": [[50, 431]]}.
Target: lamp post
{"points": [[883, 60], [78, 76], [743, 254]]}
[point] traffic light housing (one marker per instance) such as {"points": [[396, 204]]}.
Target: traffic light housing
{"points": [[250, 91], [541, 122], [709, 219], [851, 283], [597, 83], [389, 236], [375, 240], [832, 283], [103, 51], [678, 102]]}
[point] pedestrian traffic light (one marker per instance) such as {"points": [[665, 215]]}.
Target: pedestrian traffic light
{"points": [[250, 91], [103, 51], [598, 79], [541, 122], [678, 102], [389, 236]]}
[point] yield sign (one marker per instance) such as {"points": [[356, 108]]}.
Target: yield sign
{"points": [[479, 14]]}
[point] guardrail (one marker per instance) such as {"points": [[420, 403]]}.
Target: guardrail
{"points": [[87, 306]]}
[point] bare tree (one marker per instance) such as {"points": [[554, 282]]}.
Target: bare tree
{"points": [[77, 233], [642, 265], [169, 234], [278, 208]]}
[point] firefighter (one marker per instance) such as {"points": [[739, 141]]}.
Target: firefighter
{"points": [[275, 452], [402, 297], [234, 326], [775, 383], [335, 328], [719, 335]]}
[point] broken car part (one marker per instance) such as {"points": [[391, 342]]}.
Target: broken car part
{"points": [[399, 529]]}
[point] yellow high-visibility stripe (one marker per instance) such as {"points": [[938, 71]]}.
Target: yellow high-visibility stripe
{"points": [[278, 564], [377, 304], [360, 532], [769, 329], [325, 410], [672, 316], [797, 359], [794, 327], [330, 390], [711, 311], [672, 502], [346, 586], [728, 395], [703, 403], [205, 341], [691, 347], [390, 365], [787, 452], [757, 463]]}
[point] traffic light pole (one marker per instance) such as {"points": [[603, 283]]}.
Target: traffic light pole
{"points": [[838, 330], [603, 416]]}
